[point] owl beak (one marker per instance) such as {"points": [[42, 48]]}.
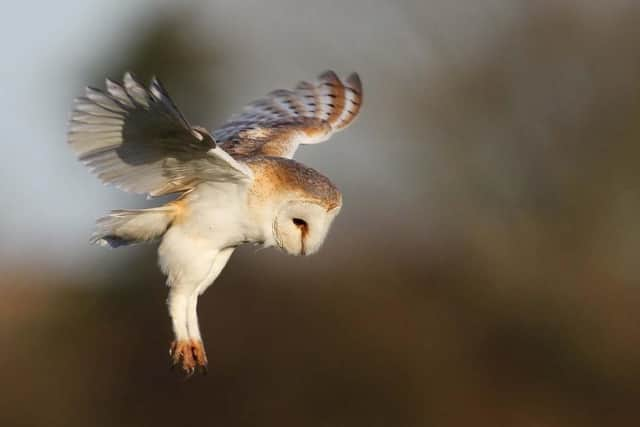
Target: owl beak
{"points": [[304, 229]]}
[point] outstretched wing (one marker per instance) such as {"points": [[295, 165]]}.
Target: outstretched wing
{"points": [[276, 124], [138, 140]]}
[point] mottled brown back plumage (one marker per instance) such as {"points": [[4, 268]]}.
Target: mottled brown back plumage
{"points": [[277, 174]]}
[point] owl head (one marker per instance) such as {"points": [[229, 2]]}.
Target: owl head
{"points": [[300, 204], [300, 226]]}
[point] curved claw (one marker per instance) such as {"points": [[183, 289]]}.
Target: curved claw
{"points": [[189, 355]]}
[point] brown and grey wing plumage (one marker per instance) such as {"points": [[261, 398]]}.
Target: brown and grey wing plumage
{"points": [[138, 140], [276, 124]]}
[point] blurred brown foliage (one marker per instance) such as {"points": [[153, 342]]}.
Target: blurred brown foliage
{"points": [[520, 309]]}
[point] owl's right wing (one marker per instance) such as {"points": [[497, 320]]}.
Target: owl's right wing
{"points": [[138, 140], [278, 123]]}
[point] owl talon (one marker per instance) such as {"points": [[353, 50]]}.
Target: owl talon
{"points": [[188, 355]]}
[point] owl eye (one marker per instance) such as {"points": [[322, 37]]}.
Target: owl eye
{"points": [[301, 224]]}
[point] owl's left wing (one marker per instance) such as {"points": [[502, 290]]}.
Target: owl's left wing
{"points": [[138, 140], [278, 123]]}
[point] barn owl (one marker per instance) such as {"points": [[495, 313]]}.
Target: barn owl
{"points": [[233, 186]]}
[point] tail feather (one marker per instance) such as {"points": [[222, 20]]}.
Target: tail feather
{"points": [[132, 226]]}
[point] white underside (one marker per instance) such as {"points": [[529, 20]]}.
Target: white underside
{"points": [[194, 250]]}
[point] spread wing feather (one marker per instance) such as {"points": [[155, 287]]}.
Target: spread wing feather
{"points": [[138, 140], [276, 124]]}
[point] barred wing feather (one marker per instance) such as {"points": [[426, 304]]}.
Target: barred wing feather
{"points": [[138, 140], [278, 123]]}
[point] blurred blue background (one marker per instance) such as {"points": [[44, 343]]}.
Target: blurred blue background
{"points": [[483, 270]]}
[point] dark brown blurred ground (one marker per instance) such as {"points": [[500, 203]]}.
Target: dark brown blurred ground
{"points": [[518, 307]]}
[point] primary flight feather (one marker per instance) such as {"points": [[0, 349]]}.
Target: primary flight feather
{"points": [[233, 186]]}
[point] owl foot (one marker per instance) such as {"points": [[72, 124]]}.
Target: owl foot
{"points": [[189, 355]]}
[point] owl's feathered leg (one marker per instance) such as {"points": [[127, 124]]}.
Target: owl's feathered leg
{"points": [[181, 351], [193, 327], [216, 267], [187, 352], [191, 265]]}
